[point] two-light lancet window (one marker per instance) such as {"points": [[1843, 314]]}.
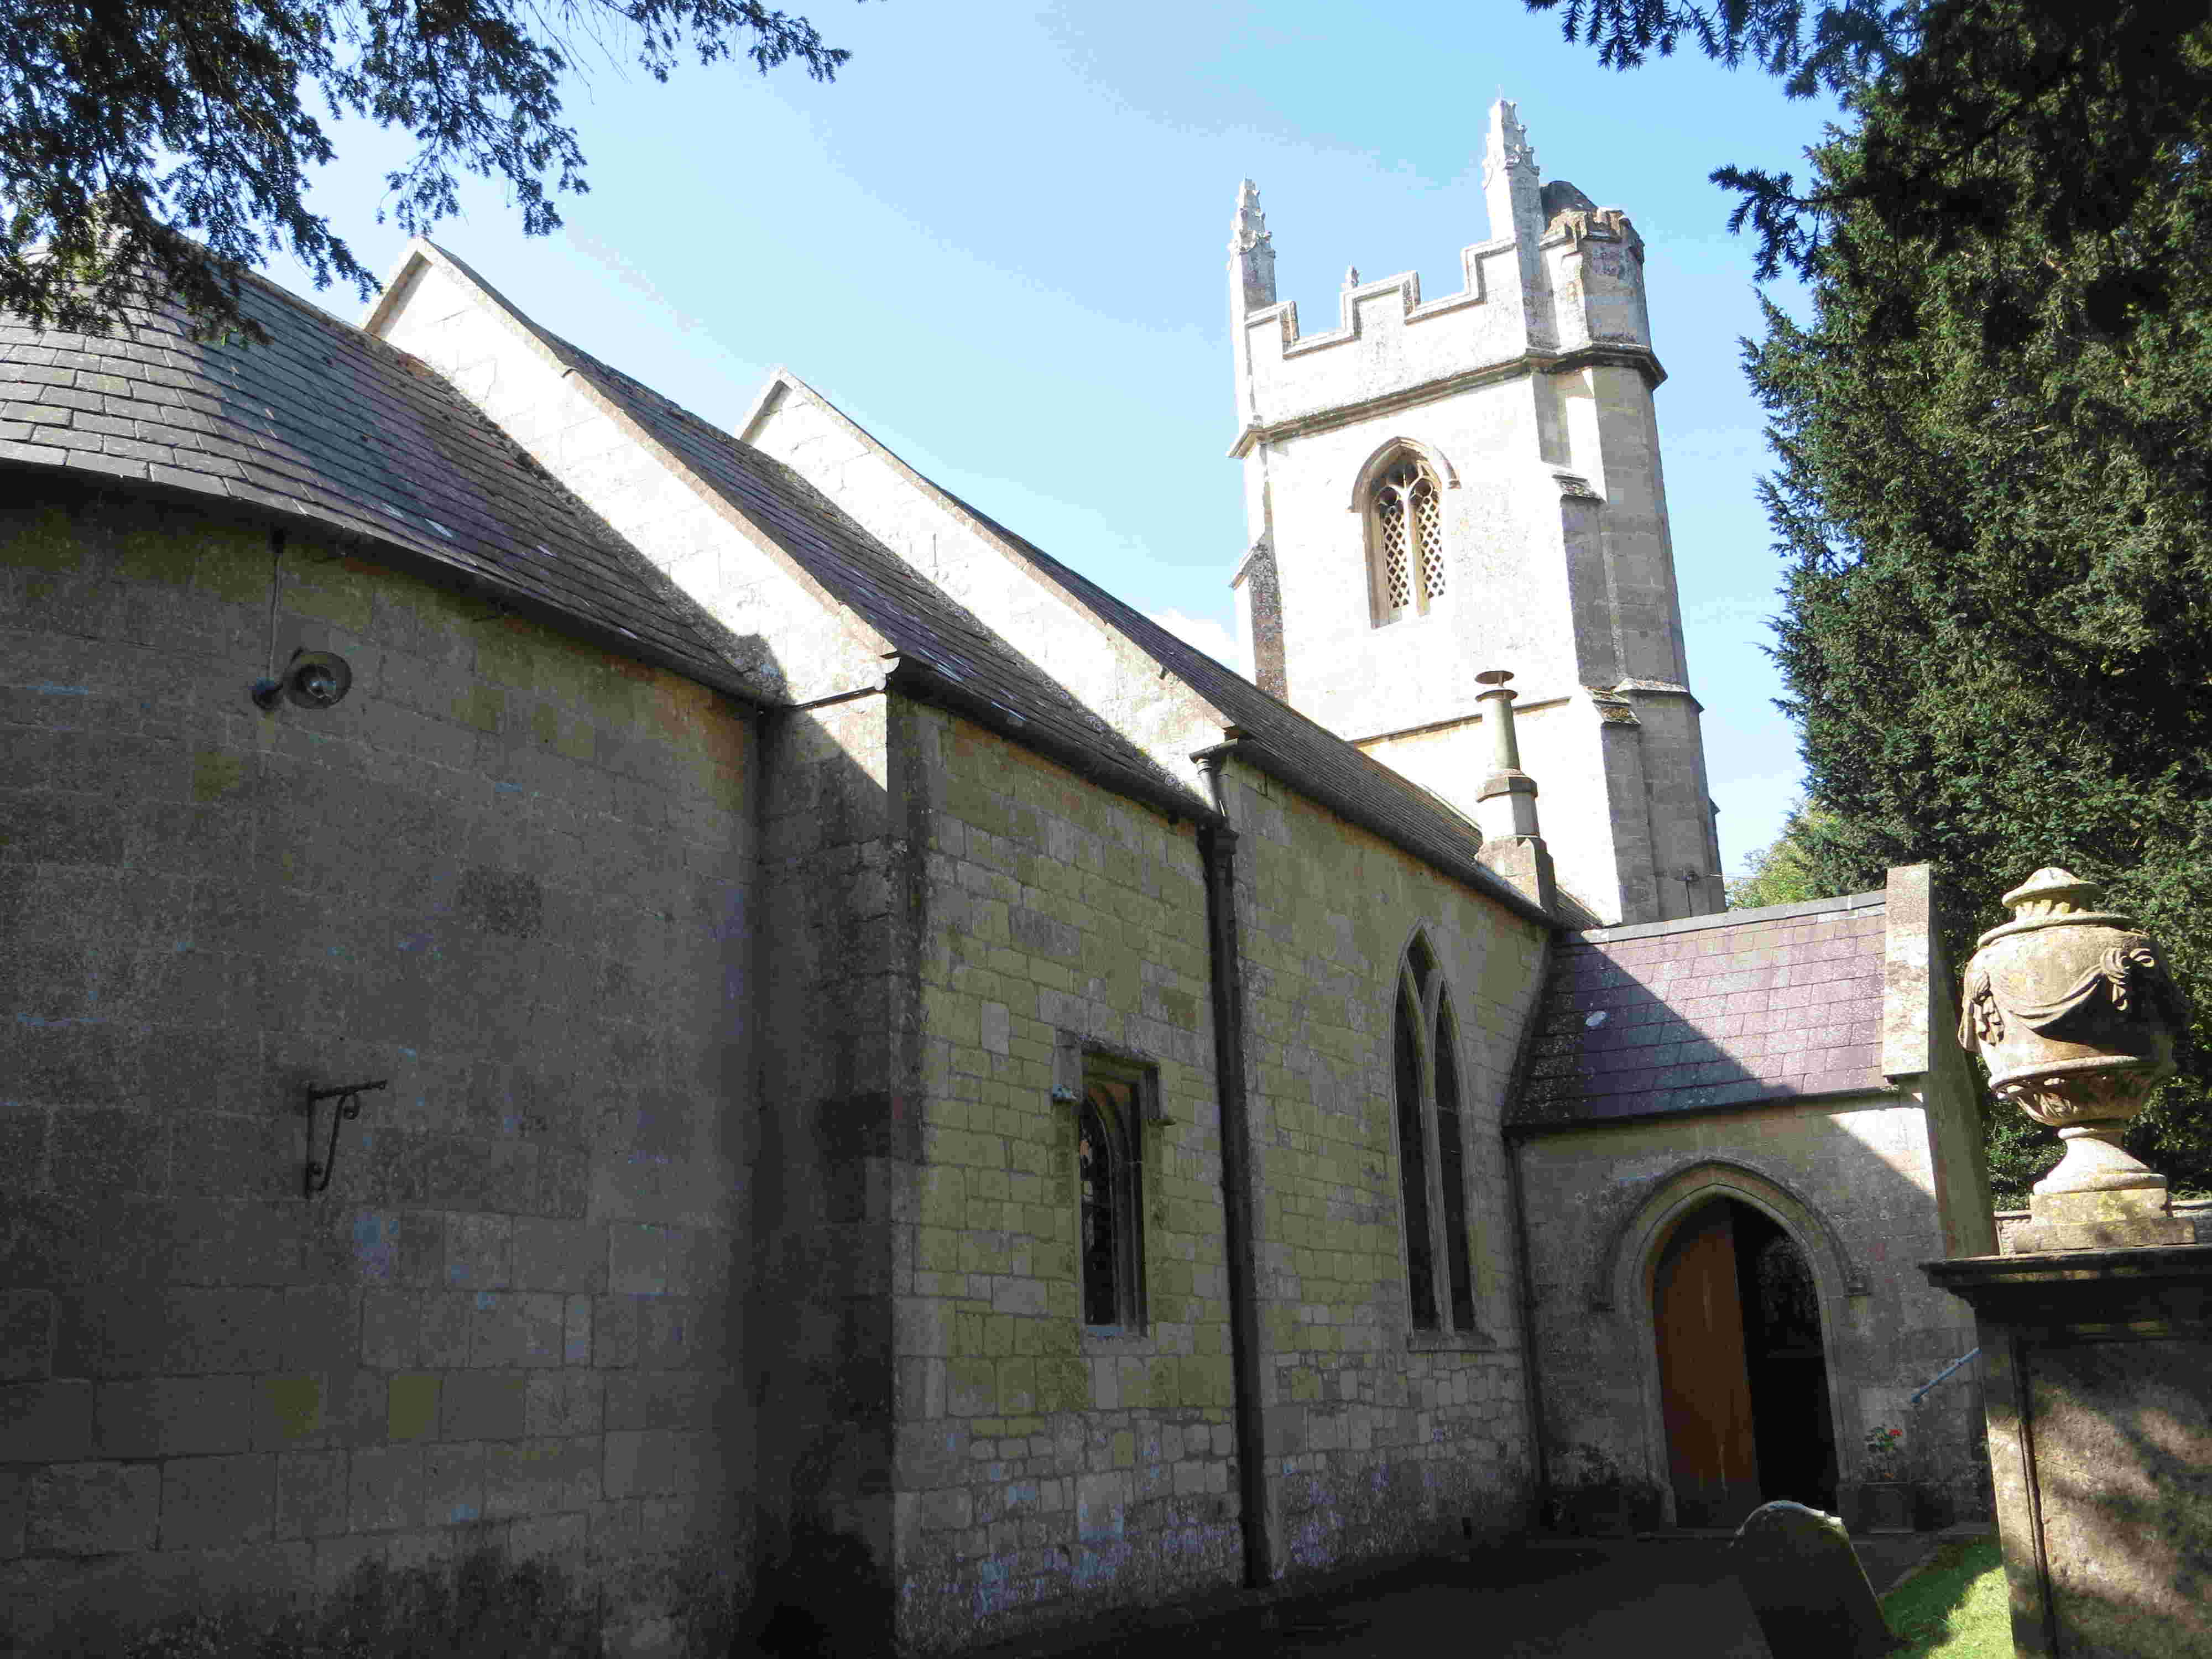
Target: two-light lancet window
{"points": [[1406, 539], [1432, 1149]]}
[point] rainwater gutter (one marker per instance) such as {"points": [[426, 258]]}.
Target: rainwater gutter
{"points": [[1216, 844], [1539, 1467], [1525, 1265]]}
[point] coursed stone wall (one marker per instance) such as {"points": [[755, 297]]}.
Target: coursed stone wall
{"points": [[1041, 1466], [509, 873], [1379, 1439], [1852, 1180]]}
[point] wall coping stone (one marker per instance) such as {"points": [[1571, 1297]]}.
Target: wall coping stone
{"points": [[1872, 901]]}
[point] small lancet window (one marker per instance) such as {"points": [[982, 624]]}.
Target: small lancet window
{"points": [[1432, 1169], [1407, 538], [1108, 1214]]}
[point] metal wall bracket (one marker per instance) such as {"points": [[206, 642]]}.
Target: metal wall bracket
{"points": [[349, 1106]]}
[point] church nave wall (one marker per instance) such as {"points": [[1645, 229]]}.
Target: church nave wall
{"points": [[1380, 1438], [509, 873], [1043, 1460]]}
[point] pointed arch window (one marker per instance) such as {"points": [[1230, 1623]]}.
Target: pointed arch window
{"points": [[1405, 537], [1432, 1149], [1109, 1242]]}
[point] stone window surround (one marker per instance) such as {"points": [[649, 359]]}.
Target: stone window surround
{"points": [[1421, 982], [1429, 591], [1077, 1059]]}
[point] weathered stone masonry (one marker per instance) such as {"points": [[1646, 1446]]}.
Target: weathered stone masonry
{"points": [[1037, 1459], [512, 880], [1378, 1438], [1797, 1060], [733, 851]]}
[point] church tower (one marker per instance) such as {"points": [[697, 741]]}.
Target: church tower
{"points": [[1440, 487]]}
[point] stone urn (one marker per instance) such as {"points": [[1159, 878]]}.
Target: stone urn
{"points": [[2074, 1015]]}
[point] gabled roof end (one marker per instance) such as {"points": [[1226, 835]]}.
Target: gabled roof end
{"points": [[418, 253]]}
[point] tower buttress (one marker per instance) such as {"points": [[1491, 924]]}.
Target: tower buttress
{"points": [[1436, 485]]}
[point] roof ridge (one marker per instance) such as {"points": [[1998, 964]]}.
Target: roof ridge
{"points": [[873, 592], [1873, 899], [1172, 653]]}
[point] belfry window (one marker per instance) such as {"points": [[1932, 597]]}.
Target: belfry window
{"points": [[1109, 1244], [1431, 1150], [1406, 539]]}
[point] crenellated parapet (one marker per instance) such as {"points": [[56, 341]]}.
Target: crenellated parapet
{"points": [[1562, 277], [1596, 262], [1448, 485]]}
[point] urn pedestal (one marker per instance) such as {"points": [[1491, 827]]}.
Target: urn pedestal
{"points": [[2096, 1323], [2097, 1381]]}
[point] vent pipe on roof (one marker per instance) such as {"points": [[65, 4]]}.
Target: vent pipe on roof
{"points": [[1505, 806]]}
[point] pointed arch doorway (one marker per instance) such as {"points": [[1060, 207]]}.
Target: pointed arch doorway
{"points": [[1743, 1374]]}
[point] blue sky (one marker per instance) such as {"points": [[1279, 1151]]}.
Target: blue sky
{"points": [[997, 241]]}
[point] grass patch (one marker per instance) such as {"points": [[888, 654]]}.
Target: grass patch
{"points": [[1956, 1608]]}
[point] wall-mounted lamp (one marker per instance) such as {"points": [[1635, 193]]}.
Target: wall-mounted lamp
{"points": [[349, 1106], [312, 679]]}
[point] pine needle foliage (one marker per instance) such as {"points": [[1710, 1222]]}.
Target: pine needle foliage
{"points": [[170, 144], [1993, 491], [1997, 635]]}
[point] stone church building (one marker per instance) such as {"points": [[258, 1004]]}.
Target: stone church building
{"points": [[674, 1000]]}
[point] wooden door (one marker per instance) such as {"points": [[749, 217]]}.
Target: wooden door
{"points": [[1703, 1379]]}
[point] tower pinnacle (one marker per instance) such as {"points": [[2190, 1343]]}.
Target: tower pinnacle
{"points": [[1508, 145], [1251, 251], [1511, 183], [1374, 585]]}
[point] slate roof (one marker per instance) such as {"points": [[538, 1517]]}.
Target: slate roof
{"points": [[1726, 1011], [328, 425], [1267, 731], [966, 662], [1285, 745]]}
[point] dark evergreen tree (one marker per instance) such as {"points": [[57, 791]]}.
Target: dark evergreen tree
{"points": [[1994, 492], [2005, 115]]}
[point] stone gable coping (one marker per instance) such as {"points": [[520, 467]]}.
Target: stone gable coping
{"points": [[1266, 732], [1728, 919], [940, 651]]}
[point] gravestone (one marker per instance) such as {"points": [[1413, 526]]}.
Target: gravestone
{"points": [[1805, 1583]]}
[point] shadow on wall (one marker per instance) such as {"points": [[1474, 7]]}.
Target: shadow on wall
{"points": [[823, 1596], [476, 1603], [514, 877], [2124, 1493], [1709, 1092], [842, 918]]}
